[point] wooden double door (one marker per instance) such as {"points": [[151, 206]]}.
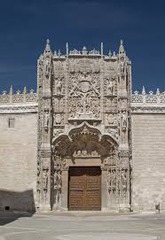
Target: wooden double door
{"points": [[84, 188]]}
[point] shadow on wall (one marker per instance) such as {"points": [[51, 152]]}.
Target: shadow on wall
{"points": [[14, 205]]}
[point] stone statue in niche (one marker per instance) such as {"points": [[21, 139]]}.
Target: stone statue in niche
{"points": [[46, 119], [47, 67], [124, 120], [57, 185], [59, 86], [110, 86], [124, 104], [122, 65]]}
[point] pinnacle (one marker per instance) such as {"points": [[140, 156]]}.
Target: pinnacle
{"points": [[121, 48]]}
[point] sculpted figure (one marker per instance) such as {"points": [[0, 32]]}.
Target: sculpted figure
{"points": [[47, 67], [112, 181], [110, 87], [46, 119], [57, 185], [124, 180], [124, 120], [59, 86]]}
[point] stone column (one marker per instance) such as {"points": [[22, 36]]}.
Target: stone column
{"points": [[104, 190], [125, 180], [45, 201], [64, 190]]}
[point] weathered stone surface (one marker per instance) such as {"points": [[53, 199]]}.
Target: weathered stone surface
{"points": [[18, 160], [148, 160]]}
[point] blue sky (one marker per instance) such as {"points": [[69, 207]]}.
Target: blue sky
{"points": [[26, 24]]}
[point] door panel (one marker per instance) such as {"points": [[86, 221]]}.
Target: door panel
{"points": [[84, 188]]}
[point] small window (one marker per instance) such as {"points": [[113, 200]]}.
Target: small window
{"points": [[11, 122]]}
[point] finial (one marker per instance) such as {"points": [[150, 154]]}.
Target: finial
{"points": [[47, 48], [59, 53], [102, 49], [67, 49], [24, 90], [84, 50], [157, 91], [110, 53], [121, 48], [11, 90], [143, 90]]}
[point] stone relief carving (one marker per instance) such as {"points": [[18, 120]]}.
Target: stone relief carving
{"points": [[57, 185], [58, 119], [47, 67], [111, 119], [84, 96], [57, 132], [124, 180], [59, 86], [109, 83], [111, 180], [46, 119], [110, 104], [84, 90]]}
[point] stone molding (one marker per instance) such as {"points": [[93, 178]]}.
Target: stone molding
{"points": [[148, 102], [19, 108], [19, 102]]}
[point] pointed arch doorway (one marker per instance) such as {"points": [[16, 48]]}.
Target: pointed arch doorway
{"points": [[82, 160]]}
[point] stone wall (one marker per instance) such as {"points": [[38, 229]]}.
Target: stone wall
{"points": [[18, 154], [148, 151], [18, 150]]}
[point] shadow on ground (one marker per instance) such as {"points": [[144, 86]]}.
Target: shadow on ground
{"points": [[14, 205]]}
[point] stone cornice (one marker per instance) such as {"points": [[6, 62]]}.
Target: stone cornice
{"points": [[19, 108], [148, 103]]}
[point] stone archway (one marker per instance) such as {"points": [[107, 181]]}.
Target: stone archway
{"points": [[85, 146]]}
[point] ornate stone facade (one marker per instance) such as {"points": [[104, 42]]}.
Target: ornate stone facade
{"points": [[84, 111], [85, 105]]}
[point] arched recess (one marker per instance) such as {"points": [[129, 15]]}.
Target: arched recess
{"points": [[81, 139], [85, 145]]}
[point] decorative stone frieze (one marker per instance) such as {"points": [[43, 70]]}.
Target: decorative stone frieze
{"points": [[148, 102]]}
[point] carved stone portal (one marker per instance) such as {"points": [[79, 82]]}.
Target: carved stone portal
{"points": [[84, 120]]}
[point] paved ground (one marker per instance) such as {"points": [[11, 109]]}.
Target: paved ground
{"points": [[82, 226]]}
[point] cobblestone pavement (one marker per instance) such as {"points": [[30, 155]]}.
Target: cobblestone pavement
{"points": [[82, 226]]}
